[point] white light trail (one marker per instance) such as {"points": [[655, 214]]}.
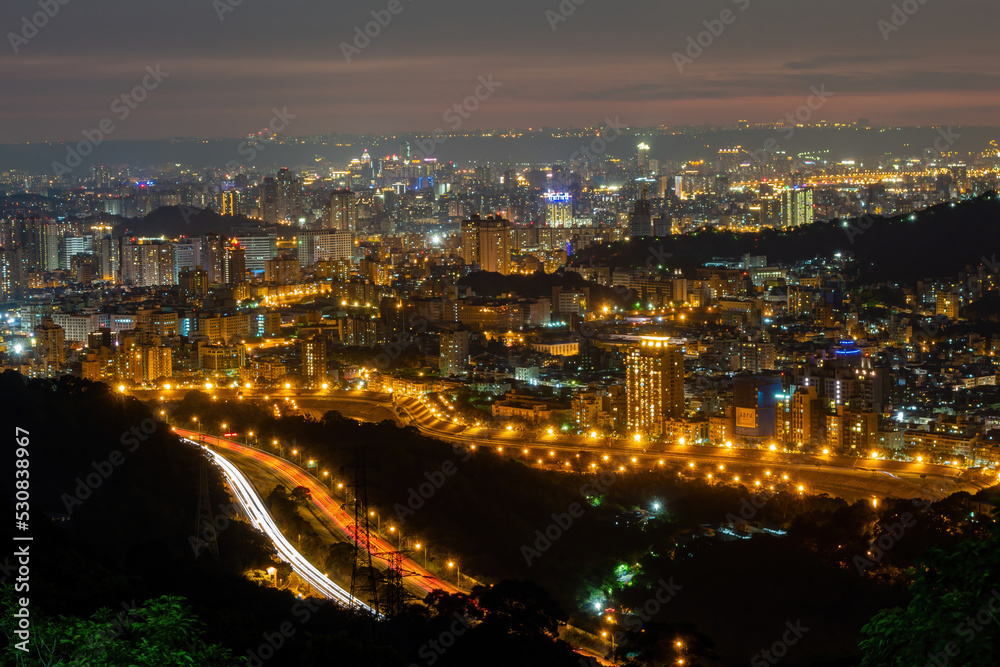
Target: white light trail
{"points": [[247, 496]]}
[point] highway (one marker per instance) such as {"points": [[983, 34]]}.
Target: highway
{"points": [[255, 509], [846, 477], [330, 509]]}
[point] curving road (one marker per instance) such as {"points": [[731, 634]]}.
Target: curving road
{"points": [[850, 478], [329, 508], [847, 477], [259, 516]]}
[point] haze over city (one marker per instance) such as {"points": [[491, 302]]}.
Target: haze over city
{"points": [[567, 64], [540, 334]]}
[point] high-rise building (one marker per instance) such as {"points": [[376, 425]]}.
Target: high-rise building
{"points": [[187, 254], [50, 348], [268, 206], [454, 353], [28, 237], [948, 303], [11, 284], [281, 270], [322, 246], [259, 245], [235, 264], [106, 249], [486, 243], [756, 357], [314, 359], [213, 257], [642, 157], [71, 246], [559, 209], [796, 208], [359, 331], [768, 211], [51, 234], [859, 431], [147, 262], [85, 268], [343, 216], [375, 272], [193, 281], [654, 385], [681, 189], [641, 222], [755, 400], [288, 196], [807, 417], [231, 203]]}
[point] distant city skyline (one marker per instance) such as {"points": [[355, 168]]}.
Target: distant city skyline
{"points": [[228, 64]]}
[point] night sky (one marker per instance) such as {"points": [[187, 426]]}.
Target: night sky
{"points": [[605, 59]]}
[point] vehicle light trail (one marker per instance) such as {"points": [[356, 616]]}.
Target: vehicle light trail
{"points": [[325, 504], [251, 502]]}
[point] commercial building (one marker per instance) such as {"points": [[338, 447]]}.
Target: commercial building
{"points": [[454, 358], [655, 385], [486, 244]]}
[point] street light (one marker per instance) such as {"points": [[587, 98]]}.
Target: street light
{"points": [[424, 547], [273, 571], [378, 520], [458, 572]]}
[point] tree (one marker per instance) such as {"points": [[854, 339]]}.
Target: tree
{"points": [[161, 632], [952, 615], [519, 608]]}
